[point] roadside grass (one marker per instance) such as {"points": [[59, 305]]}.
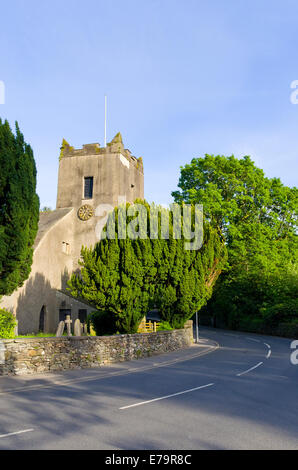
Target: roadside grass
{"points": [[36, 335], [41, 335]]}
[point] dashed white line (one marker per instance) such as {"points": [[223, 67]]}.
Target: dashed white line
{"points": [[248, 370], [15, 433], [167, 396], [269, 352], [253, 339]]}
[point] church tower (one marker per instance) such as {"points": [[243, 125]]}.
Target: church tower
{"points": [[89, 179], [95, 176]]}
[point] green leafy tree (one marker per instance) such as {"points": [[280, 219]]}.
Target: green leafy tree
{"points": [[19, 208], [125, 277], [257, 218]]}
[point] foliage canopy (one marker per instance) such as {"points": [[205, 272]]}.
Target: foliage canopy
{"points": [[124, 277], [257, 218], [19, 208]]}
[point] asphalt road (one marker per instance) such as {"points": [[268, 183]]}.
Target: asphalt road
{"points": [[233, 391]]}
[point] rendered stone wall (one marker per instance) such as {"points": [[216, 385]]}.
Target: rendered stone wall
{"points": [[36, 355]]}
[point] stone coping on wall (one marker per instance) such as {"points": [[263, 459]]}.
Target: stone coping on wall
{"points": [[23, 356], [85, 338]]}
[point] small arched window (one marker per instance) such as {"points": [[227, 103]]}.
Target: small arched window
{"points": [[42, 319]]}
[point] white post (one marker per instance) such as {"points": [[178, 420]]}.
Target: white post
{"points": [[105, 121], [197, 328]]}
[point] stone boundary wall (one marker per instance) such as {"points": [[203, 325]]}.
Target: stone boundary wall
{"points": [[37, 355]]}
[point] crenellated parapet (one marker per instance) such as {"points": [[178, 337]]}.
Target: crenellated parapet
{"points": [[114, 147]]}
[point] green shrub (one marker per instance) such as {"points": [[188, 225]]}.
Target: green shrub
{"points": [[287, 329], [7, 324], [283, 312], [164, 326], [102, 322], [252, 325]]}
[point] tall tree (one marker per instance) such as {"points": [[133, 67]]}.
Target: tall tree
{"points": [[19, 208], [126, 275], [255, 214], [257, 218]]}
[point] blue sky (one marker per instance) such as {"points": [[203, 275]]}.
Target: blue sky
{"points": [[183, 78]]}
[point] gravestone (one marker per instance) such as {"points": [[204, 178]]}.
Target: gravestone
{"points": [[60, 328], [77, 329], [68, 323]]}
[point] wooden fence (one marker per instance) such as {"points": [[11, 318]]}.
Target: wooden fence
{"points": [[148, 327]]}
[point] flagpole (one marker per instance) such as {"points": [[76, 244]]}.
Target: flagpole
{"points": [[105, 120]]}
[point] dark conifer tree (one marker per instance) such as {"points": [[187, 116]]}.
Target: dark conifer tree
{"points": [[123, 278], [19, 208]]}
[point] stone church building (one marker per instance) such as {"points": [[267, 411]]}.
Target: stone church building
{"points": [[91, 180]]}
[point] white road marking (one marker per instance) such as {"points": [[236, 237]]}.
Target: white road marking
{"points": [[269, 352], [163, 398], [248, 370], [253, 339], [15, 433], [230, 334]]}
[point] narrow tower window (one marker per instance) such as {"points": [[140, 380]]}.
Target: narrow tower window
{"points": [[42, 316], [88, 187]]}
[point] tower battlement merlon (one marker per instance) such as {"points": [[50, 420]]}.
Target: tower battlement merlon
{"points": [[114, 147]]}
